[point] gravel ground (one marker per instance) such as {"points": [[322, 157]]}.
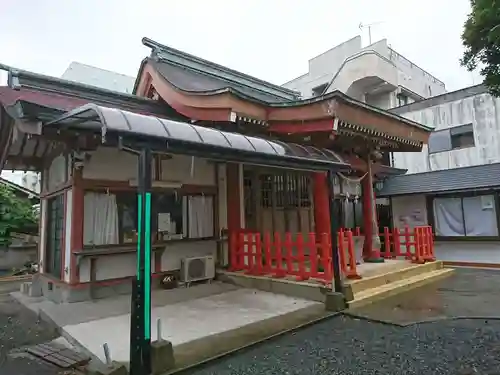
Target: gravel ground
{"points": [[20, 327], [344, 345], [347, 345]]}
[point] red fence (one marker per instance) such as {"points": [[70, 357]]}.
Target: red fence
{"points": [[309, 256], [304, 257], [415, 244]]}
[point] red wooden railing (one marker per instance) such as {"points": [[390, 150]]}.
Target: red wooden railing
{"points": [[415, 244], [304, 257], [308, 257]]}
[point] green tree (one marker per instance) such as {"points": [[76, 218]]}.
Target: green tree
{"points": [[15, 214], [481, 39]]}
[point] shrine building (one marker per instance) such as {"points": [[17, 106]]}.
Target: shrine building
{"points": [[202, 207]]}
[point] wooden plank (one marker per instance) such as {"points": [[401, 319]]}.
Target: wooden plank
{"points": [[68, 353], [59, 361], [58, 355], [72, 361], [50, 347]]}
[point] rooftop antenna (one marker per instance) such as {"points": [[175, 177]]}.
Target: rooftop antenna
{"points": [[369, 27]]}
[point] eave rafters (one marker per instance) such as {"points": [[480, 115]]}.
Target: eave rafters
{"points": [[340, 127], [351, 129]]}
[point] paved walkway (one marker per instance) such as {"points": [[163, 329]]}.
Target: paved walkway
{"points": [[349, 345]]}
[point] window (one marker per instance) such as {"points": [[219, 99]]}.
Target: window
{"points": [[55, 225], [290, 190], [465, 216], [462, 136], [320, 90], [402, 99], [112, 218], [450, 139], [386, 158]]}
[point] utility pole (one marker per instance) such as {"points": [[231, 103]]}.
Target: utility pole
{"points": [[369, 27]]}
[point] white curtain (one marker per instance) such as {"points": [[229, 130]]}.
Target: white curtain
{"points": [[200, 216], [100, 219], [480, 216], [449, 217]]}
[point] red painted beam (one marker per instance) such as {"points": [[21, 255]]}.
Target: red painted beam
{"points": [[301, 127], [206, 114]]}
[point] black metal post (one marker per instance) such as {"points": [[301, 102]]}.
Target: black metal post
{"points": [[135, 332], [140, 320], [334, 220]]}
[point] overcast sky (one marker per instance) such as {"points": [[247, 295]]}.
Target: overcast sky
{"points": [[269, 39]]}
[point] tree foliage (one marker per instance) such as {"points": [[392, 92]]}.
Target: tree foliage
{"points": [[481, 39], [16, 214]]}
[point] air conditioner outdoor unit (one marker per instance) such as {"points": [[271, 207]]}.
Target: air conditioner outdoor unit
{"points": [[197, 269]]}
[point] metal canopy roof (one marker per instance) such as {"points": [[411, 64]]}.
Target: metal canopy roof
{"points": [[183, 138]]}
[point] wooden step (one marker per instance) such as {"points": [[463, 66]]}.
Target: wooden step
{"points": [[403, 272], [403, 285]]}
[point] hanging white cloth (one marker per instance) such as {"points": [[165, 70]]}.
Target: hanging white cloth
{"points": [[200, 216], [480, 216], [449, 217], [100, 226]]}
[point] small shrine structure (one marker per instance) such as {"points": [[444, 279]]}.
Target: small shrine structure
{"points": [[88, 229]]}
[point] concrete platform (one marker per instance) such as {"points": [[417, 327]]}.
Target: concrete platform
{"points": [[379, 280], [211, 317], [401, 278]]}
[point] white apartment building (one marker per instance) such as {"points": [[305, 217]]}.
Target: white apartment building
{"points": [[104, 79], [454, 183], [375, 74]]}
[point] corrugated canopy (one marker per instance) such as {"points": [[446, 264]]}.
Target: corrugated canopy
{"points": [[184, 138]]}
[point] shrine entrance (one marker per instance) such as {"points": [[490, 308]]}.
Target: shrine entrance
{"points": [[278, 201]]}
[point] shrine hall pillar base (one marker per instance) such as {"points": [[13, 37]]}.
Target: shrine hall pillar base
{"points": [[371, 246], [321, 204]]}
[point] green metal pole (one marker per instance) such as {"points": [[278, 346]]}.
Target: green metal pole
{"points": [[140, 319]]}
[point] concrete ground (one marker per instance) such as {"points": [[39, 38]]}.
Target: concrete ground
{"points": [[186, 315], [20, 327], [439, 344]]}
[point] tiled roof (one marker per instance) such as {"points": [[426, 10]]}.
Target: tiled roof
{"points": [[193, 74], [455, 179]]}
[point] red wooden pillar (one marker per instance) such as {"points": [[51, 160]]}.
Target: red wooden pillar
{"points": [[371, 245], [233, 196], [321, 204]]}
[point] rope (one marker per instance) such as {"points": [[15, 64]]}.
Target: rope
{"points": [[351, 179]]}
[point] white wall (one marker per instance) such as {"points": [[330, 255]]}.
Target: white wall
{"points": [[56, 173], [467, 252], [409, 210], [93, 76], [322, 68], [28, 180], [480, 110], [115, 165], [124, 265], [413, 77], [350, 62]]}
